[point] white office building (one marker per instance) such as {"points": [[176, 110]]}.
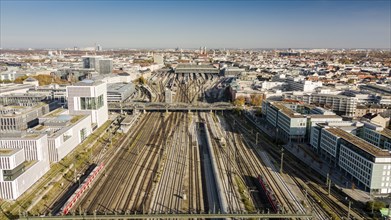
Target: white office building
{"points": [[64, 132], [340, 104], [293, 121], [366, 164], [376, 135], [300, 84], [89, 97], [24, 159]]}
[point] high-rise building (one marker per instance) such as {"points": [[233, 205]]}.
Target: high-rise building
{"points": [[98, 63], [89, 97], [91, 62], [105, 66], [99, 47]]}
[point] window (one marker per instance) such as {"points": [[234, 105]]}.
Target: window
{"points": [[91, 103], [83, 134]]}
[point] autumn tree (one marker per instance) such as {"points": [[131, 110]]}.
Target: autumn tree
{"points": [[256, 99], [142, 80], [239, 101]]}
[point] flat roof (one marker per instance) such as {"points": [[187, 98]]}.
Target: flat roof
{"points": [[15, 110], [9, 151], [13, 86], [324, 116], [360, 143], [386, 133], [287, 110], [127, 119], [88, 82], [20, 136], [120, 87]]}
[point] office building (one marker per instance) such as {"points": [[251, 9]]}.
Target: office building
{"points": [[9, 88], [98, 63], [105, 66], [300, 84], [19, 118], [23, 161], [53, 92], [91, 62], [293, 121], [23, 99], [89, 97], [64, 132], [376, 135], [119, 92], [365, 163]]}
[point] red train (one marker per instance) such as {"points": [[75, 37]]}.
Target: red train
{"points": [[82, 188], [269, 193]]}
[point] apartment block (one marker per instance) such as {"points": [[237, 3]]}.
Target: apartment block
{"points": [[340, 104]]}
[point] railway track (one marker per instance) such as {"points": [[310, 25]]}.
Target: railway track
{"points": [[226, 175], [275, 182], [107, 193], [113, 191], [175, 182], [292, 167]]}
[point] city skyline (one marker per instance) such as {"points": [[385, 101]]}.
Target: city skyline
{"points": [[190, 24]]}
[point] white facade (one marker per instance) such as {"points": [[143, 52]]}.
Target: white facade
{"points": [[367, 164], [291, 124], [300, 84], [340, 104], [8, 76], [89, 97], [18, 173], [65, 139], [267, 85]]}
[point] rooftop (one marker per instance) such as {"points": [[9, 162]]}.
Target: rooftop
{"points": [[386, 133], [324, 116], [12, 110], [195, 66], [120, 87], [88, 82], [57, 124], [360, 143], [287, 111], [8, 151]]}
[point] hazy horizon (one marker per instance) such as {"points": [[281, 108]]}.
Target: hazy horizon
{"points": [[247, 24]]}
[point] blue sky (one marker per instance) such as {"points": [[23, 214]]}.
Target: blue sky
{"points": [[190, 24]]}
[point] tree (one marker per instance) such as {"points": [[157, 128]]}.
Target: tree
{"points": [[142, 80], [42, 79], [20, 79], [256, 99], [239, 101], [5, 81], [351, 81], [376, 205]]}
